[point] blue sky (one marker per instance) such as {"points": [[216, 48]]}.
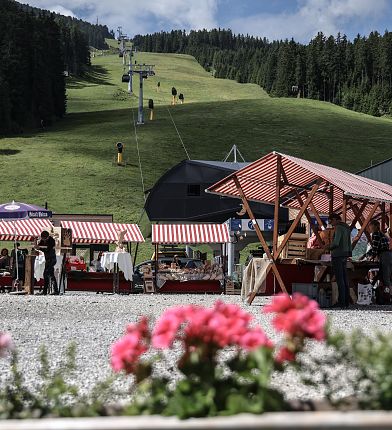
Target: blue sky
{"points": [[300, 19]]}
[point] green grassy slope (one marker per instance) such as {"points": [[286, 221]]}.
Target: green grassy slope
{"points": [[70, 165]]}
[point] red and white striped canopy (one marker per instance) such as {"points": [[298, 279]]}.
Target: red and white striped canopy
{"points": [[190, 233], [258, 181], [102, 232], [23, 229]]}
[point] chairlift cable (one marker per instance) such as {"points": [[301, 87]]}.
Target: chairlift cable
{"points": [[138, 156], [182, 142]]}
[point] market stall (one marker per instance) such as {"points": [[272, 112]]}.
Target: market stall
{"points": [[208, 276], [22, 230], [119, 264], [312, 190]]}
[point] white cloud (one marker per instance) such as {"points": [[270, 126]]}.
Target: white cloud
{"points": [[62, 10], [310, 17], [141, 16]]}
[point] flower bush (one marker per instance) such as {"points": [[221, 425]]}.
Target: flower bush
{"points": [[209, 385], [224, 365]]}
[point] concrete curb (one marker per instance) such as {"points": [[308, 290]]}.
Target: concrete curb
{"points": [[274, 421]]}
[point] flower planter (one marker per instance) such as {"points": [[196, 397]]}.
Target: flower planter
{"points": [[374, 420]]}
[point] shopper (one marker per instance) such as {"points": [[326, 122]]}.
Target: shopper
{"points": [[340, 249], [379, 250]]}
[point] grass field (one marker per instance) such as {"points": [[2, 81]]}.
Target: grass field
{"points": [[70, 165]]}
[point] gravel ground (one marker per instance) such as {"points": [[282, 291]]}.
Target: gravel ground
{"points": [[95, 321]]}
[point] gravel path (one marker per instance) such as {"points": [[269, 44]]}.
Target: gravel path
{"points": [[94, 321]]}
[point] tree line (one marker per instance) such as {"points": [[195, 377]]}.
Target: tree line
{"points": [[355, 74], [35, 51], [95, 33]]}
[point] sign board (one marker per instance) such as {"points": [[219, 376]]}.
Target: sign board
{"points": [[264, 224], [235, 224], [63, 239]]}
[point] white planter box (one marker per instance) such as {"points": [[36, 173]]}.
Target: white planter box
{"points": [[373, 420]]}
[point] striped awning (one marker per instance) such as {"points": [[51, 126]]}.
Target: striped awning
{"points": [[102, 232], [258, 181], [23, 229], [190, 233]]}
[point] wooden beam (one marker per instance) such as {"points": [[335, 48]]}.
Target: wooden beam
{"points": [[309, 218], [365, 223], [299, 216], [315, 212], [254, 293], [361, 220], [277, 202], [358, 213], [259, 235]]}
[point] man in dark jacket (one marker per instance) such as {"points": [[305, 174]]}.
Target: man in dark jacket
{"points": [[48, 245], [341, 249]]}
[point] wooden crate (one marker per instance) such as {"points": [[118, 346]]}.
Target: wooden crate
{"points": [[294, 249], [231, 290]]}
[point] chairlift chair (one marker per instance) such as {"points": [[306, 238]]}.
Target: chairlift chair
{"points": [[125, 78]]}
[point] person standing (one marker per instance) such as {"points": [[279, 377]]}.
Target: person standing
{"points": [[181, 98], [17, 259], [48, 245], [174, 96], [379, 250], [341, 249]]}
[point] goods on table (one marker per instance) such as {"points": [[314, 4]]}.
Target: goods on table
{"points": [[205, 273]]}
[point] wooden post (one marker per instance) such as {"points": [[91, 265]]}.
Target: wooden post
{"points": [[116, 279], [29, 280], [277, 203], [259, 235], [365, 223], [344, 209], [299, 216], [383, 217], [331, 200]]}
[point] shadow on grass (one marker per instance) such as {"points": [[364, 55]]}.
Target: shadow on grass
{"points": [[9, 151], [97, 75]]}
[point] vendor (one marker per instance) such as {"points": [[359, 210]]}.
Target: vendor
{"points": [[176, 262], [4, 259], [379, 250], [313, 242], [97, 263], [340, 249]]}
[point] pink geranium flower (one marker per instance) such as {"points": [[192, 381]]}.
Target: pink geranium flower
{"points": [[223, 325], [284, 355], [6, 344], [126, 352], [299, 316]]}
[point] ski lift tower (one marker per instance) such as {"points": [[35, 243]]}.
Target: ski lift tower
{"points": [[144, 71]]}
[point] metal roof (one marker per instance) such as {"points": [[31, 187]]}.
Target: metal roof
{"points": [[229, 165], [258, 181]]}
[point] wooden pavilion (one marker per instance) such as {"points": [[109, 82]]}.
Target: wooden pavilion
{"points": [[313, 190]]}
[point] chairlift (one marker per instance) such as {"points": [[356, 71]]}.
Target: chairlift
{"points": [[294, 89], [125, 78], [121, 54]]}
